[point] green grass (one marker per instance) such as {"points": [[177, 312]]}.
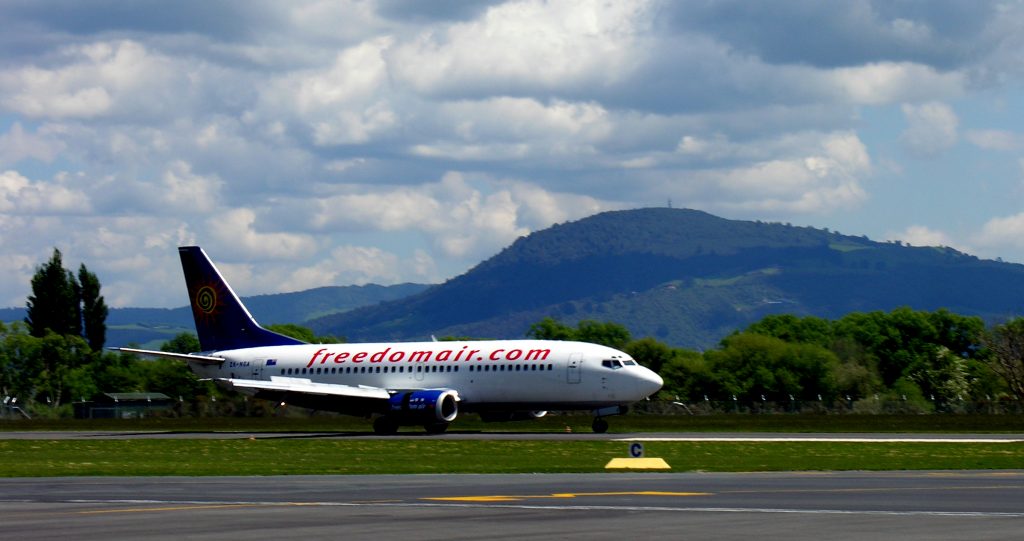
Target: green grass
{"points": [[39, 458], [558, 423]]}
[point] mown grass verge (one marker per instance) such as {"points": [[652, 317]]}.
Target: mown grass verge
{"points": [[48, 458], [558, 423]]}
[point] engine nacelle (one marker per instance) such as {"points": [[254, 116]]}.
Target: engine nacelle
{"points": [[429, 406]]}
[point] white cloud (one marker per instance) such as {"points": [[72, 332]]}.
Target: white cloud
{"points": [[931, 128], [525, 44], [347, 265], [1001, 140], [919, 235], [822, 177], [460, 219], [183, 190], [1002, 232], [19, 195], [889, 82], [236, 233], [343, 103], [17, 145], [96, 79]]}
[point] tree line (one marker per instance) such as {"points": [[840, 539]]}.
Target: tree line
{"points": [[899, 361]]}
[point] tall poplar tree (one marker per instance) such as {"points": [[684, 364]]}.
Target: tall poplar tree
{"points": [[94, 310], [65, 305], [54, 303]]}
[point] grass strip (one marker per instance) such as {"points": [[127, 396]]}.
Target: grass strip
{"points": [[557, 423], [51, 458]]}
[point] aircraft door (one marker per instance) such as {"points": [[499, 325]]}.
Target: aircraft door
{"points": [[575, 368], [257, 369]]}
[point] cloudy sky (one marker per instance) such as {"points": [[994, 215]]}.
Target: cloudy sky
{"points": [[311, 143]]}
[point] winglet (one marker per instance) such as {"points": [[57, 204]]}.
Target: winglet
{"points": [[222, 321]]}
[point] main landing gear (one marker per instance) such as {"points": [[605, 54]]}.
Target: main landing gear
{"points": [[600, 425], [385, 426]]}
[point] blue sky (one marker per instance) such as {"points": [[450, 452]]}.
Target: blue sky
{"points": [[314, 143]]}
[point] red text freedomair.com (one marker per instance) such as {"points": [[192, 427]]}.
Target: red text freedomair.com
{"points": [[445, 355]]}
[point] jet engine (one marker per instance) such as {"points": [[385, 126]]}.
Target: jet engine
{"points": [[428, 406]]}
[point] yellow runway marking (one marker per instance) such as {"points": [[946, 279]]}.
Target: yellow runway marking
{"points": [[560, 495]]}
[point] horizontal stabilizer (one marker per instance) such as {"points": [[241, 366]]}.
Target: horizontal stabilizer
{"points": [[190, 357]]}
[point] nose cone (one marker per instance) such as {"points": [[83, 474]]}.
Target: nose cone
{"points": [[648, 382]]}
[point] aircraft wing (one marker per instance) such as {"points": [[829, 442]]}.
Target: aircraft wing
{"points": [[304, 386]]}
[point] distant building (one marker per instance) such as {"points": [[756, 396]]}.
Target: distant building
{"points": [[124, 406]]}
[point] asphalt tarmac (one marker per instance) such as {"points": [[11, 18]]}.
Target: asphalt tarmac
{"points": [[791, 506]]}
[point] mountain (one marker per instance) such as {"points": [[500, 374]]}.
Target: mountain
{"points": [[687, 278], [149, 327]]}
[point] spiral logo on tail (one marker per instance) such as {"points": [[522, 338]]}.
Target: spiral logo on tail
{"points": [[206, 299]]}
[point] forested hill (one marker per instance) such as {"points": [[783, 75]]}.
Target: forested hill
{"points": [[687, 278], [153, 326]]}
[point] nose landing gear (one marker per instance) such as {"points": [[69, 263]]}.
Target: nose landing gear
{"points": [[600, 425]]}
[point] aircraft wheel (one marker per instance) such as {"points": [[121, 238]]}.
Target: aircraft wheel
{"points": [[600, 426], [436, 428], [385, 426]]}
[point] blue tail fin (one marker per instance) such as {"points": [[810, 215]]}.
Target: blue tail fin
{"points": [[222, 322]]}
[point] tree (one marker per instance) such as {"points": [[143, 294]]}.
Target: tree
{"points": [[58, 356], [54, 303], [1006, 343], [551, 329], [185, 342], [751, 365], [19, 364], [94, 309], [65, 305], [608, 334], [650, 353]]}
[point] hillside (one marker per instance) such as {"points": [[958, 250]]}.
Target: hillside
{"points": [[687, 278], [152, 326]]}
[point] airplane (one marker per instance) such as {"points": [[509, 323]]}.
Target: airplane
{"points": [[401, 383]]}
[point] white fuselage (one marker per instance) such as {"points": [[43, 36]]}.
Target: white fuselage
{"points": [[500, 374]]}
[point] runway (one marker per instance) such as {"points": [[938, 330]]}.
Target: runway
{"points": [[792, 506]]}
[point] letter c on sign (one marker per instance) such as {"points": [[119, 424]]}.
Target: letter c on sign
{"points": [[636, 450]]}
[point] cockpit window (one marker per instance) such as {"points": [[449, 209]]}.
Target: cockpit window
{"points": [[614, 364], [629, 363]]}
